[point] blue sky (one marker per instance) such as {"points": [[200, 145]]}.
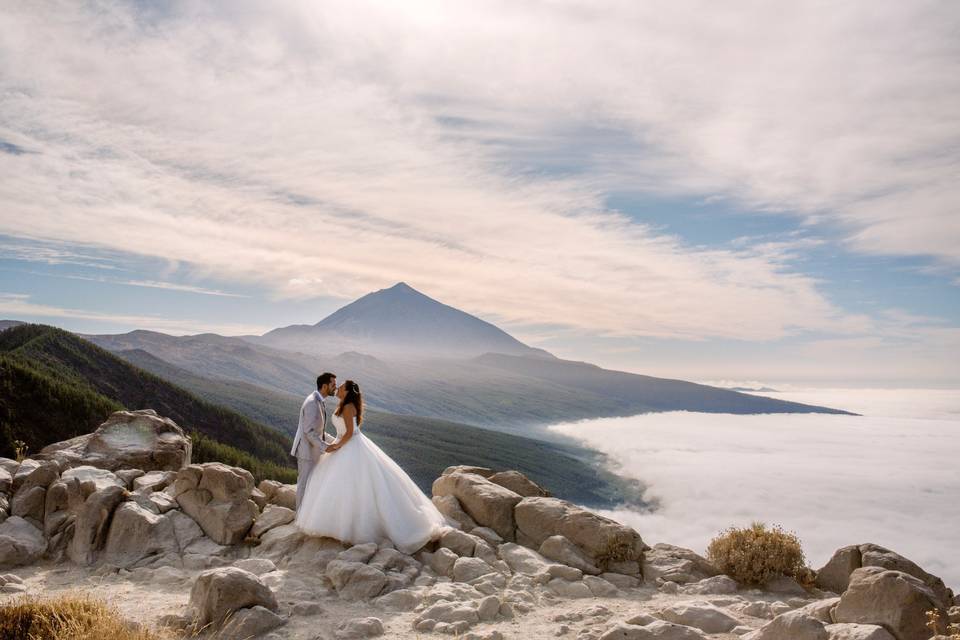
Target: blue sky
{"points": [[770, 196]]}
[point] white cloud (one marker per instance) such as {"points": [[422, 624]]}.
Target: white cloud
{"points": [[289, 142], [19, 307], [827, 478]]}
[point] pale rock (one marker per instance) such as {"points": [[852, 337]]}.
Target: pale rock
{"points": [[259, 498], [285, 496], [669, 587], [791, 626], [485, 552], [280, 543], [621, 581], [359, 552], [714, 585], [399, 600], [250, 622], [488, 608], [624, 567], [893, 599], [467, 569], [523, 560], [601, 539], [463, 468], [873, 555], [6, 479], [676, 564], [355, 580], [851, 631], [641, 619], [451, 612], [256, 566], [459, 542], [272, 516], [217, 593], [820, 609], [441, 561], [600, 587], [137, 534], [90, 479], [487, 503], [567, 589], [162, 501], [518, 483], [785, 585], [707, 618], [835, 575], [306, 608], [218, 498], [489, 535], [359, 628], [21, 543], [561, 550], [34, 473], [450, 507], [93, 517], [563, 571], [127, 476], [127, 440], [658, 630], [153, 481], [28, 503]]}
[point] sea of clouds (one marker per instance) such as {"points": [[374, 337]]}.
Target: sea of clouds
{"points": [[890, 476]]}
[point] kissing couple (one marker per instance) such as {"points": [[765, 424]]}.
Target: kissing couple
{"points": [[347, 487]]}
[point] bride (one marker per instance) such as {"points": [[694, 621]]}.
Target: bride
{"points": [[357, 493]]}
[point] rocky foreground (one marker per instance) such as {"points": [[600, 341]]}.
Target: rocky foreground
{"points": [[199, 549]]}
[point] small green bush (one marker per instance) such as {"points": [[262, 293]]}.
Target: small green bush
{"points": [[755, 554]]}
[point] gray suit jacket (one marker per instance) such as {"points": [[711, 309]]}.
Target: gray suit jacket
{"points": [[311, 441]]}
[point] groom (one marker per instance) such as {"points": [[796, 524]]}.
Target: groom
{"points": [[311, 441]]}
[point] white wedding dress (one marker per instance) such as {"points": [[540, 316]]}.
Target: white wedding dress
{"points": [[359, 494]]}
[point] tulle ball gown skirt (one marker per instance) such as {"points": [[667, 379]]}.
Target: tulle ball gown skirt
{"points": [[359, 494]]}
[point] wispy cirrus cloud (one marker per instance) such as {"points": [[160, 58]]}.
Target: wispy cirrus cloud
{"points": [[468, 149]]}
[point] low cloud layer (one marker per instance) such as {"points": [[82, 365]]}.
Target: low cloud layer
{"points": [[834, 480], [241, 138]]}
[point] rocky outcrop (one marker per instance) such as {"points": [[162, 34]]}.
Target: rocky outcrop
{"points": [[835, 574], [487, 503], [892, 599], [218, 498], [603, 540], [666, 562], [127, 440], [20, 542]]}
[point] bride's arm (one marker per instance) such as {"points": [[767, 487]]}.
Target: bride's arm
{"points": [[348, 413]]}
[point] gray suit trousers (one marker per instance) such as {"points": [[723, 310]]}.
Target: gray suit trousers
{"points": [[304, 469]]}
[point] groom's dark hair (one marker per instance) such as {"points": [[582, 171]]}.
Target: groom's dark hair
{"points": [[324, 378]]}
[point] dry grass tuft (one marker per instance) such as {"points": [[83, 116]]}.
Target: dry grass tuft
{"points": [[755, 554], [71, 616]]}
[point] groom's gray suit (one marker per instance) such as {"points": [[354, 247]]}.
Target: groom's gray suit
{"points": [[310, 441]]}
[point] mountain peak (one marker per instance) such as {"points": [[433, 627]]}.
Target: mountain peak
{"points": [[399, 320]]}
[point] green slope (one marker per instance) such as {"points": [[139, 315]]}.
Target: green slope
{"points": [[424, 446], [55, 386]]}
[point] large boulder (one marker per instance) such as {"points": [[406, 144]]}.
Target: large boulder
{"points": [[34, 473], [489, 504], [20, 542], [892, 599], [655, 630], [217, 496], [450, 507], [93, 515], [217, 593], [835, 575], [273, 516], [706, 617], [138, 536], [519, 484], [127, 440], [251, 622], [601, 539], [792, 625], [675, 564], [355, 580]]}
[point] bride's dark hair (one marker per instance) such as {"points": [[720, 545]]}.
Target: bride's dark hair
{"points": [[354, 397]]}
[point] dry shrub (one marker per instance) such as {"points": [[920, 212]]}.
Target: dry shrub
{"points": [[71, 616], [755, 554]]}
